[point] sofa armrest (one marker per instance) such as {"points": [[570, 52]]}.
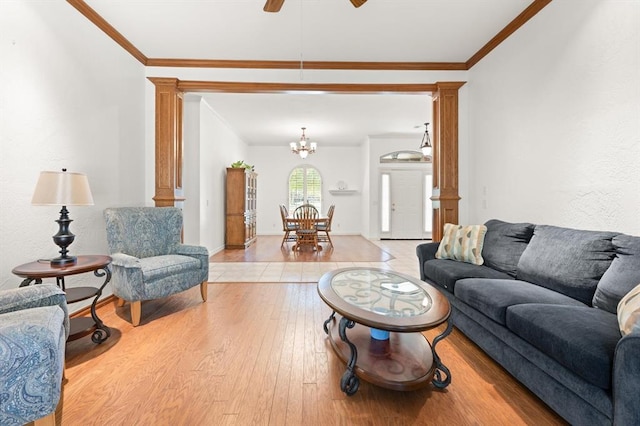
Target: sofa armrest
{"points": [[626, 380], [426, 251], [34, 296]]}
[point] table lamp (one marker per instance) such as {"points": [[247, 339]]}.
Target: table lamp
{"points": [[63, 189]]}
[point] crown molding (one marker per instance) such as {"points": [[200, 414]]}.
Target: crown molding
{"points": [[108, 29], [535, 7], [511, 27], [313, 65], [253, 87]]}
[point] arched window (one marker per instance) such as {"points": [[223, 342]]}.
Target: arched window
{"points": [[305, 186]]}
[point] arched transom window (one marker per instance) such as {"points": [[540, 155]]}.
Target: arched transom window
{"points": [[305, 186]]}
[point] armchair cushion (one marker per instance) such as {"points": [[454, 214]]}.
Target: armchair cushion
{"points": [[154, 268]]}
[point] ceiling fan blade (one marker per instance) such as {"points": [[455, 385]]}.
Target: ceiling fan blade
{"points": [[274, 5], [358, 3]]}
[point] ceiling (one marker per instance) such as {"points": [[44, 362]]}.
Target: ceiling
{"points": [[443, 34]]}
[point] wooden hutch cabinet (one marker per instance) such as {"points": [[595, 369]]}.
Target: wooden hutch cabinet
{"points": [[240, 208]]}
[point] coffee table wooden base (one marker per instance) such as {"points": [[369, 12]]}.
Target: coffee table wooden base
{"points": [[403, 363]]}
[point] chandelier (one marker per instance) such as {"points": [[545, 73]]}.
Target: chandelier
{"points": [[425, 146], [303, 148]]}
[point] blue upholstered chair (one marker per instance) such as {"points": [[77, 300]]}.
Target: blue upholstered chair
{"points": [[149, 261], [34, 325]]}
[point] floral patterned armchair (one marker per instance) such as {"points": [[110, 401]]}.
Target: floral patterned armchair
{"points": [[149, 261], [34, 326]]}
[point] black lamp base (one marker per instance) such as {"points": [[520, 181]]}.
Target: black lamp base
{"points": [[63, 239], [64, 261]]}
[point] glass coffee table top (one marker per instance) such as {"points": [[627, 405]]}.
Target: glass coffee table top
{"points": [[383, 299], [381, 292]]}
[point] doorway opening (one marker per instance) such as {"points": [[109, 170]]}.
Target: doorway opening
{"points": [[405, 204]]}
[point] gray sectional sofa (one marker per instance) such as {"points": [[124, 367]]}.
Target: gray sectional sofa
{"points": [[543, 305]]}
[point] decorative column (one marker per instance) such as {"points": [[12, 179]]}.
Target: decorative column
{"points": [[445, 196], [169, 143]]}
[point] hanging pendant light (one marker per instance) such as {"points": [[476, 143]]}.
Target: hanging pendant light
{"points": [[303, 148], [425, 146]]}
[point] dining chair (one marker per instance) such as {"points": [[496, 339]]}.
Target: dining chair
{"points": [[287, 226], [325, 227], [306, 216]]}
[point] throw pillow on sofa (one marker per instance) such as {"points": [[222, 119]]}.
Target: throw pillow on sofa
{"points": [[629, 311], [504, 243], [463, 243]]}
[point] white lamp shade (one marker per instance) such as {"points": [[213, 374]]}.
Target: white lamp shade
{"points": [[426, 151], [62, 189], [303, 154]]}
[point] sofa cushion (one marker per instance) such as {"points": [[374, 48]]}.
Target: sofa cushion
{"points": [[504, 243], [566, 260], [582, 339], [629, 312], [622, 275], [463, 243], [492, 297], [446, 272]]}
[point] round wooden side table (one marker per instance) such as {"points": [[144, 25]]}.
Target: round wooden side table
{"points": [[99, 265]]}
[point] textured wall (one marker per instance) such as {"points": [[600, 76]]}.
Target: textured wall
{"points": [[554, 128], [70, 98]]}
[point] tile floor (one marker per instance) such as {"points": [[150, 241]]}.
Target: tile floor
{"points": [[404, 261]]}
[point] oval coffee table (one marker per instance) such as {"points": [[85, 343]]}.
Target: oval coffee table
{"points": [[385, 313]]}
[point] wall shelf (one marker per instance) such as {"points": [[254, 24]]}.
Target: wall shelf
{"points": [[343, 191]]}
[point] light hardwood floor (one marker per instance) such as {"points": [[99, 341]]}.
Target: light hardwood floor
{"points": [[255, 353]]}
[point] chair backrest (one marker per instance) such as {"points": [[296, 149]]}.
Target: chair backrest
{"points": [[306, 215], [143, 231], [283, 215], [330, 216]]}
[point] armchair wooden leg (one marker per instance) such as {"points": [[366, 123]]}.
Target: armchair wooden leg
{"points": [[203, 290], [136, 308], [119, 302]]}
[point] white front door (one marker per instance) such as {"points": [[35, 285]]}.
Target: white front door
{"points": [[406, 197]]}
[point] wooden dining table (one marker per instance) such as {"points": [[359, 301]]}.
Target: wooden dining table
{"points": [[319, 220]]}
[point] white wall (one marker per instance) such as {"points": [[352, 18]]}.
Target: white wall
{"points": [[554, 128], [192, 206], [219, 147], [274, 164], [70, 98]]}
